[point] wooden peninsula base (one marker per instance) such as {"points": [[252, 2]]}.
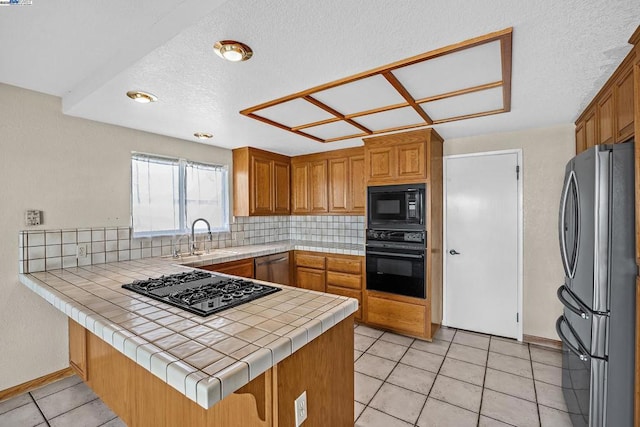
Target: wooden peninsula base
{"points": [[323, 367]]}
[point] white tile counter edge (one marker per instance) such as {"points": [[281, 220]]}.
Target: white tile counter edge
{"points": [[194, 384]]}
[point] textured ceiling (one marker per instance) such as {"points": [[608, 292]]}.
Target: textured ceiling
{"points": [[91, 54]]}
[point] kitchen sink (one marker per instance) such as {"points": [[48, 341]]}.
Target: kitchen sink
{"points": [[214, 253]]}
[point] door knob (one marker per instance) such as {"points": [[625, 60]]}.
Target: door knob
{"points": [[454, 252]]}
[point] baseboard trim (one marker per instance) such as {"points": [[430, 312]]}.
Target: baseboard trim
{"points": [[544, 342], [38, 382]]}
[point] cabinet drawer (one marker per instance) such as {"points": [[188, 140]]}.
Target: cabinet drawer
{"points": [[344, 280], [311, 261], [344, 265], [348, 293], [242, 268], [397, 315]]}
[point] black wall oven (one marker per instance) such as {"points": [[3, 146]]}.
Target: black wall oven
{"points": [[396, 262], [399, 207]]}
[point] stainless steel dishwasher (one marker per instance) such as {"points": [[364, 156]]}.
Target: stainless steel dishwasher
{"points": [[273, 268]]}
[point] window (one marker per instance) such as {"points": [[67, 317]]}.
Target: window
{"points": [[167, 195]]}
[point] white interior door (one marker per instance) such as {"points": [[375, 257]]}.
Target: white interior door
{"points": [[482, 250]]}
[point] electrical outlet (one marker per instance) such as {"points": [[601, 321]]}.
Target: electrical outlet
{"points": [[300, 406], [32, 217], [82, 250]]}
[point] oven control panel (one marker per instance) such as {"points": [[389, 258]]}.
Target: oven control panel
{"points": [[396, 236]]}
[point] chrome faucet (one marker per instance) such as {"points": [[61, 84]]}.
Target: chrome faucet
{"points": [[193, 234]]}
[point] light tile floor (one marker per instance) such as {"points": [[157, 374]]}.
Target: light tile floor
{"points": [[460, 379]]}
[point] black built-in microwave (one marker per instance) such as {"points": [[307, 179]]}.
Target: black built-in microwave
{"points": [[396, 207]]}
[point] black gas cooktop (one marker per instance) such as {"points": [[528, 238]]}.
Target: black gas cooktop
{"points": [[200, 292]]}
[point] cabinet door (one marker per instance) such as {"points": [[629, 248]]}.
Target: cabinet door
{"points": [[281, 192], [581, 143], [262, 185], [338, 185], [381, 162], [300, 184], [78, 349], [590, 130], [396, 315], [309, 278], [318, 186], [357, 185], [411, 160], [623, 95], [605, 118]]}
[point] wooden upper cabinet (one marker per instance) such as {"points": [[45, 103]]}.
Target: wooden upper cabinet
{"points": [[260, 183], [610, 116], [381, 162], [605, 118], [329, 182], [581, 143], [338, 184], [623, 94], [590, 129], [358, 186], [282, 193], [261, 199], [309, 181], [398, 158], [300, 188], [318, 186], [411, 160]]}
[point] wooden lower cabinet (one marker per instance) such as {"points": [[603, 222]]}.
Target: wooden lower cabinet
{"points": [[242, 268], [396, 315], [351, 293], [333, 273], [310, 278], [323, 368], [78, 349]]}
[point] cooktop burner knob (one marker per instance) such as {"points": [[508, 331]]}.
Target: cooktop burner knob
{"points": [[211, 303]]}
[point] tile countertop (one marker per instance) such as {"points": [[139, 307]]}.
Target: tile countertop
{"points": [[240, 252], [205, 358]]}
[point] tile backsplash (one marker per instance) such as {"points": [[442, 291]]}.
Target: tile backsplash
{"points": [[41, 250]]}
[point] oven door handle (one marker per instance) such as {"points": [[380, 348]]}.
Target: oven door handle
{"points": [[397, 255], [580, 352]]}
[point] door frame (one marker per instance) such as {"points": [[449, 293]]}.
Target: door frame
{"points": [[520, 290]]}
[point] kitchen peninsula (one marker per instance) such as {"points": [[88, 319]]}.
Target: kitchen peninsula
{"points": [[155, 364]]}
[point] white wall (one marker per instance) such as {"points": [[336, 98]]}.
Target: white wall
{"points": [[545, 154], [77, 172]]}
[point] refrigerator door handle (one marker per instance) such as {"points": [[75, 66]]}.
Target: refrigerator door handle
{"points": [[578, 309], [580, 352], [571, 181]]}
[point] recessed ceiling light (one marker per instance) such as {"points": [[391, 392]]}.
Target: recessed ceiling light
{"points": [[232, 50], [202, 135], [142, 97]]}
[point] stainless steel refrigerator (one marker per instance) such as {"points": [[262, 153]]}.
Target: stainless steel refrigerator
{"points": [[597, 245]]}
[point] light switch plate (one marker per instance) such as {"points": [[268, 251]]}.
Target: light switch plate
{"points": [[32, 217], [301, 408]]}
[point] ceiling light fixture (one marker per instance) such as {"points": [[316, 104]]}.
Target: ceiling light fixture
{"points": [[142, 97], [232, 50], [203, 135]]}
